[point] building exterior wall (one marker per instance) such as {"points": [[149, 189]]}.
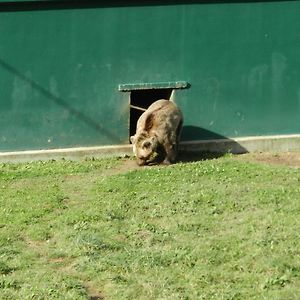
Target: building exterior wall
{"points": [[61, 64]]}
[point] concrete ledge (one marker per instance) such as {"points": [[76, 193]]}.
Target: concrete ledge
{"points": [[273, 143], [67, 153]]}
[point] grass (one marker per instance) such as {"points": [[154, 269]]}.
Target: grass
{"points": [[215, 229]]}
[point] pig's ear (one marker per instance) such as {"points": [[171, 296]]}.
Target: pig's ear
{"points": [[132, 139]]}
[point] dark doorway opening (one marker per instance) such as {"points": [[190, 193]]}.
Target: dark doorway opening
{"points": [[140, 100]]}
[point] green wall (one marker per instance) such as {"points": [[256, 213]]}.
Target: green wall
{"points": [[61, 64]]}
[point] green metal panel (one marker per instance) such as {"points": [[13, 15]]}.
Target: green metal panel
{"points": [[61, 67], [58, 79], [245, 78]]}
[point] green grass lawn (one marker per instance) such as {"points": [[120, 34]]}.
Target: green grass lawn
{"points": [[213, 229]]}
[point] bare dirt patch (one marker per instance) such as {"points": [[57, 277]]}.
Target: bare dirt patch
{"points": [[127, 165], [290, 159]]}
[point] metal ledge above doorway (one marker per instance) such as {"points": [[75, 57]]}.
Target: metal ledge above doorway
{"points": [[128, 87]]}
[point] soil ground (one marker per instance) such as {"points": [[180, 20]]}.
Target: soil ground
{"points": [[290, 159]]}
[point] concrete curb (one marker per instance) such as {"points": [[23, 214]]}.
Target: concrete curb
{"points": [[274, 143]]}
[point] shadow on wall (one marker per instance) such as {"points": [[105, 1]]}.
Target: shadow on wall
{"points": [[75, 112], [201, 144], [79, 4]]}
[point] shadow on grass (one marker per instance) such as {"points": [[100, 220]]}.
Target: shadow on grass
{"points": [[95, 298], [204, 145], [186, 156]]}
